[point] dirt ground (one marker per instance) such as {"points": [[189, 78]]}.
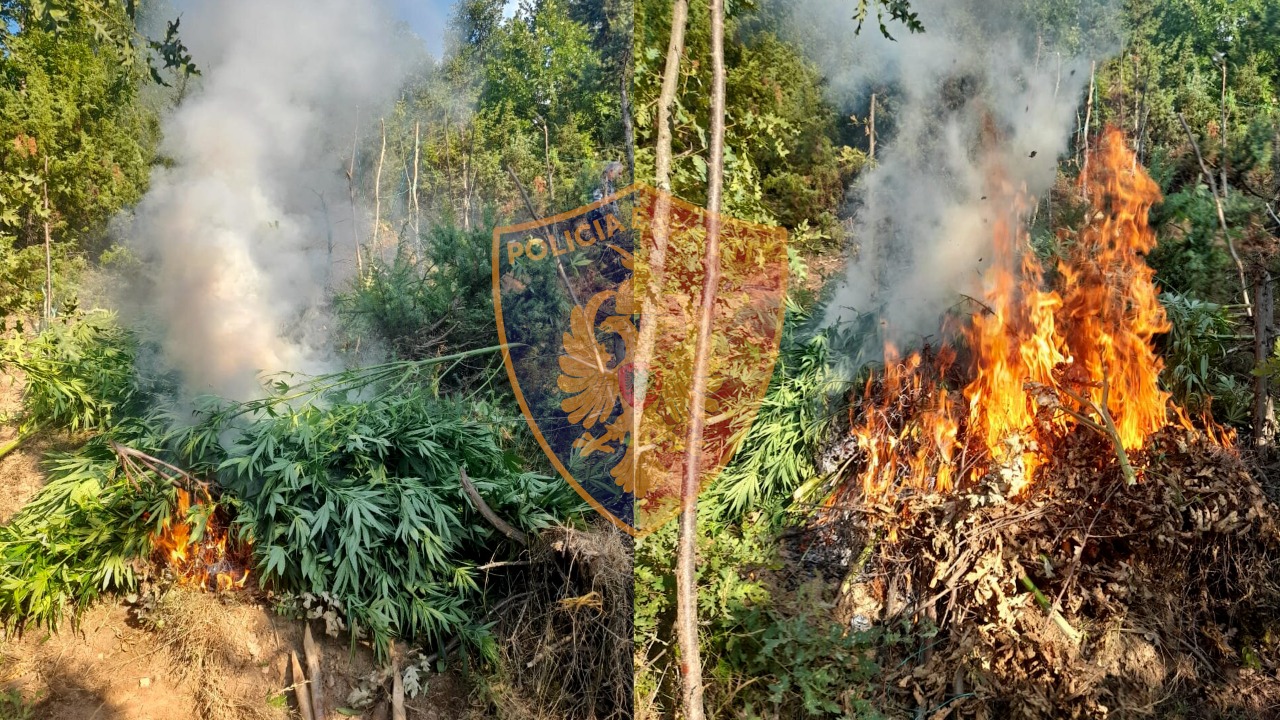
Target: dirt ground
{"points": [[200, 656]]}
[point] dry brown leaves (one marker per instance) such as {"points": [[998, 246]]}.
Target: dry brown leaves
{"points": [[1172, 585]]}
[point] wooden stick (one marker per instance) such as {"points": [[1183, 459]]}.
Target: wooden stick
{"points": [[377, 186], [1107, 428], [1072, 634], [300, 691], [397, 686], [314, 660], [487, 512]]}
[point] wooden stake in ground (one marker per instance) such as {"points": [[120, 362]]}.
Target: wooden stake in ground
{"points": [[314, 674], [686, 582], [300, 691], [397, 687]]}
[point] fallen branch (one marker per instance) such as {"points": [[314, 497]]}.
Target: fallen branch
{"points": [[1046, 397], [22, 437], [501, 525], [130, 460], [1072, 634]]}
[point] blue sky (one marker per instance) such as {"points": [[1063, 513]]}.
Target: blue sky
{"points": [[429, 18]]}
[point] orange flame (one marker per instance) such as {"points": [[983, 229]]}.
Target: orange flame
{"points": [[1094, 325], [206, 563]]}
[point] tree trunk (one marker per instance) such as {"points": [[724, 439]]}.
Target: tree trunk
{"points": [[686, 560], [48, 252], [377, 186], [1222, 131], [871, 128], [1264, 333], [1088, 117], [417, 211], [655, 262], [351, 188], [628, 132]]}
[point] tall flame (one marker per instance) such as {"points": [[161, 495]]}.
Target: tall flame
{"points": [[1087, 330], [208, 562]]}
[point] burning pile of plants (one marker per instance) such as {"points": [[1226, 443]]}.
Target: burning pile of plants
{"points": [[1065, 539]]}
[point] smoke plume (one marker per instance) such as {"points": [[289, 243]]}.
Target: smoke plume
{"points": [[249, 222], [982, 90]]}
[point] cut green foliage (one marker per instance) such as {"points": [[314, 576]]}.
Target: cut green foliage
{"points": [[347, 486], [78, 373], [82, 534], [777, 455], [362, 500]]}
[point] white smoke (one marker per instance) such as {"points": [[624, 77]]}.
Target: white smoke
{"points": [[922, 227], [245, 226]]}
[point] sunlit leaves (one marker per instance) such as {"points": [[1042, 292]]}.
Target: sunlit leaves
{"points": [[361, 500]]}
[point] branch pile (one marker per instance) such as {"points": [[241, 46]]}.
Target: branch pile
{"points": [[1082, 598]]}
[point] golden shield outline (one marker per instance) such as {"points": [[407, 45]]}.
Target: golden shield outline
{"points": [[761, 248]]}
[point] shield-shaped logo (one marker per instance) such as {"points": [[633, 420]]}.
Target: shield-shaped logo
{"points": [[596, 312]]}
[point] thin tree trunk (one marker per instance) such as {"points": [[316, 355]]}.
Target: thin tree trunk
{"points": [[546, 155], [351, 188], [466, 184], [417, 211], [686, 558], [48, 252], [1088, 116], [666, 96], [377, 185], [628, 132], [657, 255], [1264, 412], [448, 171], [871, 127], [1222, 217], [1222, 131]]}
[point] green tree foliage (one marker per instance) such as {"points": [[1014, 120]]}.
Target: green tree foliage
{"points": [[113, 24], [784, 163], [72, 127]]}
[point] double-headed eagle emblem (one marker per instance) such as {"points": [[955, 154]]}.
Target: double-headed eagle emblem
{"points": [[571, 296]]}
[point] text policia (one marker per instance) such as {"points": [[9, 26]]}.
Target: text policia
{"points": [[583, 234]]}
